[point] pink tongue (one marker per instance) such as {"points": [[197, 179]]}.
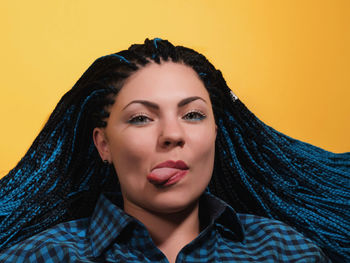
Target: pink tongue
{"points": [[161, 175]]}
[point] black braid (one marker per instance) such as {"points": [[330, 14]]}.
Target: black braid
{"points": [[257, 169]]}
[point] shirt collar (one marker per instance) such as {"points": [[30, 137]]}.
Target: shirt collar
{"points": [[214, 211], [107, 222], [108, 219]]}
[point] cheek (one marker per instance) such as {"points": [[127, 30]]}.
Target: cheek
{"points": [[129, 151], [203, 145]]}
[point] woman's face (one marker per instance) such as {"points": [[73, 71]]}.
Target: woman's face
{"points": [[162, 113]]}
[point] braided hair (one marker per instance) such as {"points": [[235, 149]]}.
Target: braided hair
{"points": [[257, 169]]}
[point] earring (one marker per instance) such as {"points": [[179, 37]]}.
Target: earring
{"points": [[105, 162]]}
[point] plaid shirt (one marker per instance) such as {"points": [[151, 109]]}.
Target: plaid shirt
{"points": [[110, 235]]}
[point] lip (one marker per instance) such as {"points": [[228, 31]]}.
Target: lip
{"points": [[172, 164]]}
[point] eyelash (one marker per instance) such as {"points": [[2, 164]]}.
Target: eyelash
{"points": [[133, 119], [198, 113]]}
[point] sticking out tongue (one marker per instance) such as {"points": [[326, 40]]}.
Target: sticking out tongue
{"points": [[161, 175]]}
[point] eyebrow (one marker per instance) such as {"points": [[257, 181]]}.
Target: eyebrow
{"points": [[155, 106]]}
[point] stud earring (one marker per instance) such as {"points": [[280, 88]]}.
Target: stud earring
{"points": [[105, 162]]}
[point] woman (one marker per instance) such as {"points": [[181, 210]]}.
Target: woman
{"points": [[163, 164]]}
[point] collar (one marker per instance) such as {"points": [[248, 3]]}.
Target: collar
{"points": [[214, 211], [109, 220]]}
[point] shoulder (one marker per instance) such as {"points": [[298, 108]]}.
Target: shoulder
{"points": [[256, 224], [280, 238], [51, 245]]}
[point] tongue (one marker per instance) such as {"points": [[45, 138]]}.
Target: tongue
{"points": [[161, 175]]}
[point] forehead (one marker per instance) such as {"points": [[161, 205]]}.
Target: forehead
{"points": [[167, 80]]}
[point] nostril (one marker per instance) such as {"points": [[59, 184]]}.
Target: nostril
{"points": [[180, 143]]}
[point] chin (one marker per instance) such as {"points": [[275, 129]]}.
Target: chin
{"points": [[173, 203]]}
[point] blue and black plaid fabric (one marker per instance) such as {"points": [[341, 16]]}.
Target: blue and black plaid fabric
{"points": [[110, 235]]}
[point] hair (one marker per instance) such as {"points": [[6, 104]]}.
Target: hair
{"points": [[257, 169]]}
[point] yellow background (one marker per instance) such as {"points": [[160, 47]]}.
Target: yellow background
{"points": [[288, 61]]}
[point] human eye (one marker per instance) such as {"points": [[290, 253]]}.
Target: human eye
{"points": [[194, 115], [139, 119]]}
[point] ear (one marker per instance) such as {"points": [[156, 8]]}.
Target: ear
{"points": [[101, 143]]}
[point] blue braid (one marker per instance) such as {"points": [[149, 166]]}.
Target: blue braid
{"points": [[155, 41], [36, 174], [35, 181], [154, 55], [292, 181], [81, 111], [118, 56], [235, 163]]}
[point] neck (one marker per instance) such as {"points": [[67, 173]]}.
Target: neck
{"points": [[172, 231]]}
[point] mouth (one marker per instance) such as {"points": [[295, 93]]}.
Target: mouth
{"points": [[171, 164], [168, 173]]}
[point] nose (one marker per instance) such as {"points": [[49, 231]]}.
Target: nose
{"points": [[171, 134]]}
